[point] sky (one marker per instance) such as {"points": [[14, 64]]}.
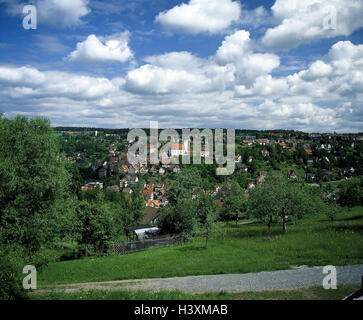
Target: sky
{"points": [[249, 64]]}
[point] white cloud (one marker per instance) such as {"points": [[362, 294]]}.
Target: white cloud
{"points": [[56, 13], [114, 48], [33, 83], [309, 20], [198, 16], [209, 93], [62, 13], [236, 50], [167, 73]]}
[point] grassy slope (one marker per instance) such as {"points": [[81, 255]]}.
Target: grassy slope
{"points": [[316, 293], [232, 249]]}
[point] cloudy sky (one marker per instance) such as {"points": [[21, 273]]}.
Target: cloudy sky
{"points": [[254, 64]]}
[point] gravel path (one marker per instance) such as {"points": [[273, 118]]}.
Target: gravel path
{"points": [[300, 277]]}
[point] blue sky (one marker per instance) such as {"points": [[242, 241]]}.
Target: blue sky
{"points": [[193, 63]]}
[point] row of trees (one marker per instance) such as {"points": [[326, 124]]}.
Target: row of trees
{"points": [[277, 200], [41, 202]]}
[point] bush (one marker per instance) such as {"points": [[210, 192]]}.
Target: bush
{"points": [[11, 276]]}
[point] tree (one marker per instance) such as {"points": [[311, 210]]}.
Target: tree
{"points": [[180, 216], [32, 180], [206, 214], [187, 182], [95, 225], [279, 198], [77, 182], [234, 204], [351, 193], [136, 207], [33, 184], [179, 219]]}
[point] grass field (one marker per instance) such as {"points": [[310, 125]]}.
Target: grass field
{"points": [[232, 249], [315, 293]]}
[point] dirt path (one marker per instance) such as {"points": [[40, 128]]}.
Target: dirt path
{"points": [[300, 277]]}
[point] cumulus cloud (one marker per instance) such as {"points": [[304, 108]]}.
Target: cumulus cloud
{"points": [[326, 96], [114, 48], [236, 50], [167, 73], [198, 16], [34, 83], [305, 21], [62, 14], [56, 13]]}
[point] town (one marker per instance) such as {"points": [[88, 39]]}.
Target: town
{"points": [[314, 158]]}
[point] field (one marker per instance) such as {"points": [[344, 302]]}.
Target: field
{"points": [[232, 249]]}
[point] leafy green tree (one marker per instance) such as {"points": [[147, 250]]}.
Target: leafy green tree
{"points": [[235, 204], [179, 219], [187, 181], [136, 207], [180, 216], [33, 187], [206, 214], [95, 225], [351, 193], [32, 181], [284, 200], [77, 183]]}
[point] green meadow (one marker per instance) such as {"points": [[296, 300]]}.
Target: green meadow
{"points": [[232, 248]]}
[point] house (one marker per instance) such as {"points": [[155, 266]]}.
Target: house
{"points": [[151, 215], [247, 142], [113, 188], [260, 180], [179, 149], [135, 167], [176, 169], [153, 170], [241, 168], [93, 185], [123, 183], [262, 142], [144, 170], [308, 176], [204, 152], [152, 204], [148, 193], [251, 185], [161, 171], [265, 153], [131, 170], [237, 158], [124, 168], [127, 190], [166, 163], [291, 174], [131, 179]]}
